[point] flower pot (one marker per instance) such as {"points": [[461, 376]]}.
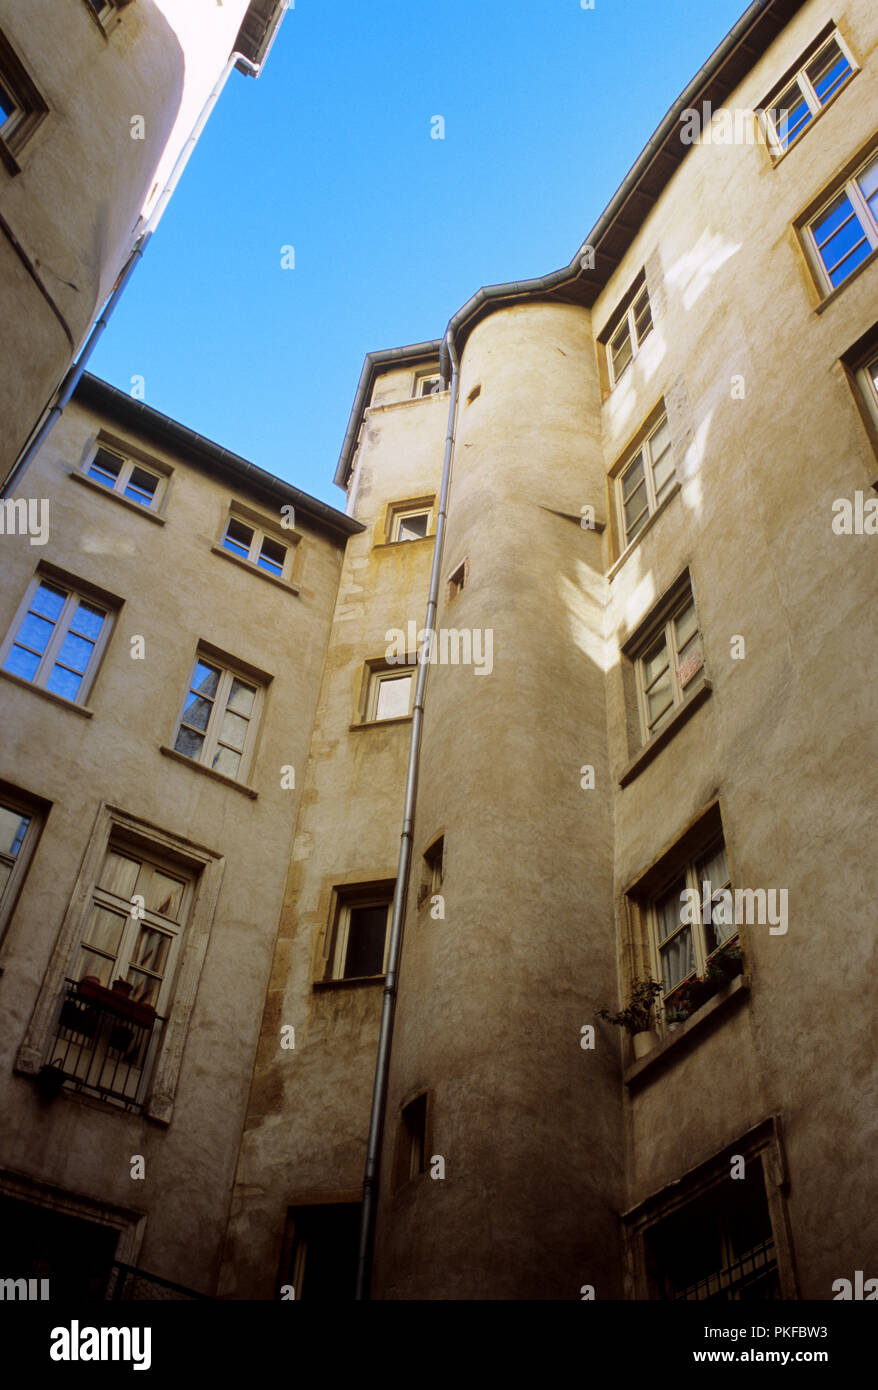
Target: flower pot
{"points": [[644, 1042], [123, 987], [671, 1027], [50, 1079]]}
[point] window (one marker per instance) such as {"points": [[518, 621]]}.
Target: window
{"points": [[457, 581], [627, 331], [791, 111], [256, 547], [411, 526], [360, 935], [645, 481], [125, 477], [685, 942], [433, 867], [411, 1143], [21, 821], [57, 639], [428, 383], [711, 1236], [390, 693], [21, 106], [220, 717], [845, 231], [718, 1247], [118, 992], [669, 660], [321, 1246]]}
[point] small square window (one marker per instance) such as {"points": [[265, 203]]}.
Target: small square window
{"points": [[125, 477], [411, 1148], [428, 383], [220, 718], [57, 639], [360, 936], [627, 330], [411, 525], [257, 547], [819, 78], [845, 231], [390, 693]]}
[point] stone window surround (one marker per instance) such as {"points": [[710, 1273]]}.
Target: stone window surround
{"points": [[207, 868]]}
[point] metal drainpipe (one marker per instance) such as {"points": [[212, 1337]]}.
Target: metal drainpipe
{"points": [[74, 373], [400, 892]]}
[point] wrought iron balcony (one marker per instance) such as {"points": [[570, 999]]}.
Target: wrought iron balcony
{"points": [[103, 1044]]}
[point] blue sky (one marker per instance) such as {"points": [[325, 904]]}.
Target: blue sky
{"points": [[546, 106]]}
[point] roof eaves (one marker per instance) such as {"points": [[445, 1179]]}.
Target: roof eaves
{"points": [[196, 448]]}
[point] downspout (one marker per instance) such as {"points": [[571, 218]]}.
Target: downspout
{"points": [[74, 373], [400, 892]]}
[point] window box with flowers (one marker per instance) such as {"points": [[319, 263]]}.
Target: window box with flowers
{"points": [[724, 966]]}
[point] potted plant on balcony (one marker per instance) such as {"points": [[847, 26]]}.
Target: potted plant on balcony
{"points": [[636, 1017], [50, 1079]]}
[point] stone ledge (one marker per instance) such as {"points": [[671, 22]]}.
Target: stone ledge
{"points": [[737, 989]]}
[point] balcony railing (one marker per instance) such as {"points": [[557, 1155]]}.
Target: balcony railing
{"points": [[103, 1043], [128, 1282]]}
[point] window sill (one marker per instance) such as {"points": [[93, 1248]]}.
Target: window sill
{"points": [[692, 702], [254, 569], [208, 772], [646, 527], [734, 992], [395, 545], [839, 289], [349, 983], [381, 723], [83, 478], [48, 695]]}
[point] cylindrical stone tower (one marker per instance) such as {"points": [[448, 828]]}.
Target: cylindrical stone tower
{"points": [[524, 1114]]}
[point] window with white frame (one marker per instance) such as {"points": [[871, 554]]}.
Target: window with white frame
{"points": [[57, 639], [845, 231], [134, 926], [220, 717], [645, 481], [20, 825], [126, 477], [790, 111], [411, 525], [428, 383], [627, 331], [666, 662], [685, 941], [390, 693], [361, 932], [118, 992], [257, 547]]}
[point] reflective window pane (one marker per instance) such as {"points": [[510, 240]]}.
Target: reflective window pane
{"points": [[48, 601], [234, 730], [164, 895], [141, 486], [21, 663], [226, 761], [828, 71], [75, 653], [35, 633], [119, 874], [64, 682], [104, 930], [272, 556], [238, 538], [206, 679], [394, 696], [197, 711], [151, 950], [678, 959], [241, 696], [189, 742], [88, 620]]}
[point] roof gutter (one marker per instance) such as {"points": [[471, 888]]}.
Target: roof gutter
{"points": [[492, 295]]}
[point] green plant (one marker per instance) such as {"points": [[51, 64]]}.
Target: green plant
{"points": [[636, 1017]]}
